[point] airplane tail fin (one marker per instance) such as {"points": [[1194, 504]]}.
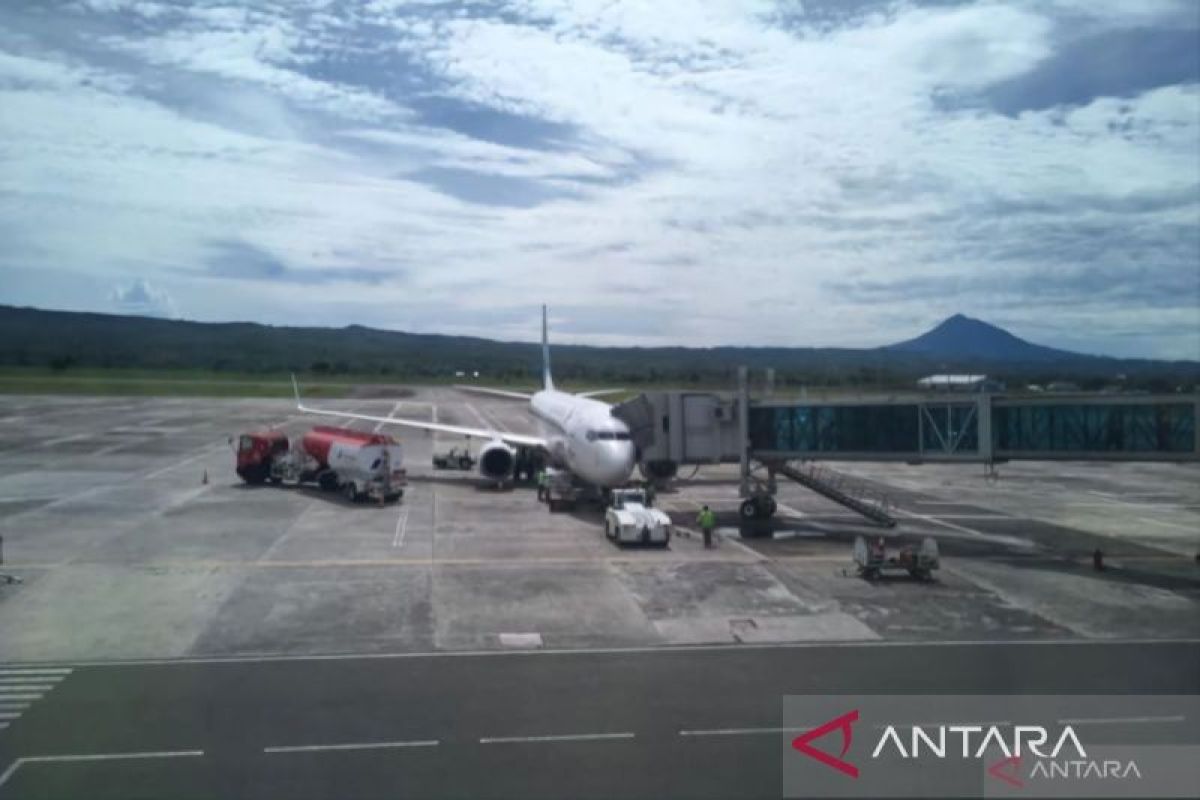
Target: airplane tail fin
{"points": [[547, 381]]}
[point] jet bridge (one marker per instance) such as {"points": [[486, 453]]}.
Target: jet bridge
{"points": [[771, 434]]}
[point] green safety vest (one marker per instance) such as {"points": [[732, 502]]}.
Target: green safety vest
{"points": [[542, 478], [707, 519]]}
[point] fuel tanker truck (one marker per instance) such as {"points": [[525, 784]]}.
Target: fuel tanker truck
{"points": [[360, 465]]}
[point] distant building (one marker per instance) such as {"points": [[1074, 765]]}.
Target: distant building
{"points": [[960, 383]]}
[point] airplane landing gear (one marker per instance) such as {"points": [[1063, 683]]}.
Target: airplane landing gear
{"points": [[758, 507]]}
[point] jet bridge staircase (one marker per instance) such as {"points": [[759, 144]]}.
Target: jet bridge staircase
{"points": [[856, 495]]}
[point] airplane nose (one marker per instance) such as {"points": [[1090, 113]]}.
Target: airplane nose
{"points": [[617, 465]]}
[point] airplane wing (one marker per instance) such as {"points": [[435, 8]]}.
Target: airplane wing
{"points": [[493, 392], [600, 392], [516, 439]]}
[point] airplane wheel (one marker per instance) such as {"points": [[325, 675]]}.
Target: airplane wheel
{"points": [[749, 509]]}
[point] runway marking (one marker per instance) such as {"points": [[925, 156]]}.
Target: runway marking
{"points": [[19, 688], [1167, 524], [743, 731], [212, 448], [401, 529], [1120, 720], [391, 414], [20, 762], [567, 737], [316, 748], [665, 650], [488, 425]]}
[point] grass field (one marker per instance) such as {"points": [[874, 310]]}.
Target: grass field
{"points": [[165, 383], [201, 383]]}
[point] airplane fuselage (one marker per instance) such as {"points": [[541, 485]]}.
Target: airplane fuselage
{"points": [[584, 437]]}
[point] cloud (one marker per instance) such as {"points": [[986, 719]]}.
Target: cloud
{"points": [[242, 261], [141, 298], [743, 173]]}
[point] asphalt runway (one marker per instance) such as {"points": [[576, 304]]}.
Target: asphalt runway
{"points": [[689, 722]]}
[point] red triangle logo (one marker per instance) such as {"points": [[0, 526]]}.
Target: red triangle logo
{"points": [[1006, 769], [803, 743]]}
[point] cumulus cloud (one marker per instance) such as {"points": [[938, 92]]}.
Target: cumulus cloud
{"points": [[139, 297], [465, 161]]}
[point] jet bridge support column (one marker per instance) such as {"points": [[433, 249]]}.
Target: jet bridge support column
{"points": [[743, 404]]}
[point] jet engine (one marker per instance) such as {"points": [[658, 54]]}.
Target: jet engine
{"points": [[496, 461], [658, 470]]}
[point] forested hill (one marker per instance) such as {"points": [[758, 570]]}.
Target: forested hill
{"points": [[69, 340]]}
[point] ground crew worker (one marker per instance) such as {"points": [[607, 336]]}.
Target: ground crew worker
{"points": [[542, 484], [707, 520]]}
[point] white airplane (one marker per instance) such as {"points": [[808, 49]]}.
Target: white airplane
{"points": [[577, 433]]}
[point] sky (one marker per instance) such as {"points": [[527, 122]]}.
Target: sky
{"points": [[838, 173]]}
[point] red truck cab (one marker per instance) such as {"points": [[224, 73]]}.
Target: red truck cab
{"points": [[256, 450]]}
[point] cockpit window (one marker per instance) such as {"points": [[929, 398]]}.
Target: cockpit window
{"points": [[608, 436]]}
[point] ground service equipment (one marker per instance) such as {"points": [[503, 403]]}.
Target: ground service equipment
{"points": [[630, 519], [454, 458], [873, 560], [360, 465]]}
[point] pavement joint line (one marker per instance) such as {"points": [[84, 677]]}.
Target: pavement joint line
{"points": [[316, 748], [1120, 720], [677, 650], [17, 764], [565, 737]]}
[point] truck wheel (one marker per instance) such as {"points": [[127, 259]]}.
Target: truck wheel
{"points": [[327, 481], [749, 509], [350, 492], [464, 463]]}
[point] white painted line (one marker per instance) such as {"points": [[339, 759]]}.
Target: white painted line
{"points": [[21, 696], [315, 748], [662, 650], [568, 737], [1120, 720], [6, 689], [1167, 524], [64, 671], [12, 769], [936, 521], [6, 706], [3, 725], [206, 451], [743, 731], [9, 714], [487, 425], [521, 639], [401, 529], [391, 414]]}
